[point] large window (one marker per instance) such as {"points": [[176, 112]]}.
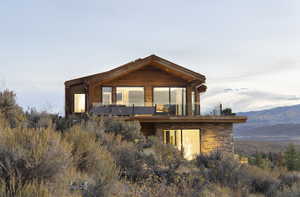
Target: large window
{"points": [[130, 96], [186, 140], [106, 95], [170, 99], [79, 103]]}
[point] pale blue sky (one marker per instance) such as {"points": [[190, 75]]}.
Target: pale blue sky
{"points": [[248, 50]]}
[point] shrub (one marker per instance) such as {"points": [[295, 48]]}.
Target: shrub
{"points": [[38, 190], [261, 181], [28, 155], [121, 139], [64, 123], [209, 160], [94, 160], [37, 119], [260, 161], [165, 154], [223, 170], [3, 122], [227, 172], [130, 130], [131, 162], [289, 179], [10, 110], [293, 191], [84, 149]]}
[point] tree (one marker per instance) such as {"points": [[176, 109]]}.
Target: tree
{"points": [[292, 158]]}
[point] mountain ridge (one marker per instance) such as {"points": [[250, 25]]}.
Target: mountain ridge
{"points": [[274, 122]]}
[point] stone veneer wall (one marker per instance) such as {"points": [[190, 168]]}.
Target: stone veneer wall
{"points": [[217, 137], [214, 136]]}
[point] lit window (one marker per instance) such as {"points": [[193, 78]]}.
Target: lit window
{"points": [[79, 103], [170, 99], [106, 95], [130, 96], [186, 140]]}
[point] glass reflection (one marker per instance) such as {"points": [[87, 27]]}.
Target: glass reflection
{"points": [[170, 100], [106, 95], [186, 140], [161, 98], [130, 96], [178, 100], [79, 103]]}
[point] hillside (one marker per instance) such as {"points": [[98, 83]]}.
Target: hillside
{"points": [[281, 123]]}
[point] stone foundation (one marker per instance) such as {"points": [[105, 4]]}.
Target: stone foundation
{"points": [[217, 137], [213, 136]]}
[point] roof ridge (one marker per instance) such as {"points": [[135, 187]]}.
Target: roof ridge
{"points": [[151, 57]]}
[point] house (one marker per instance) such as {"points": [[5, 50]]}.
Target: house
{"points": [[163, 96]]}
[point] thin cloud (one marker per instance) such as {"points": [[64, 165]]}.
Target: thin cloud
{"points": [[244, 99], [281, 65]]}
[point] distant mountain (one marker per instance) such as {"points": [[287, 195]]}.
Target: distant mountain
{"points": [[279, 115], [280, 122]]}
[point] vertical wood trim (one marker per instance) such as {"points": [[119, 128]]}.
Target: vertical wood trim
{"points": [[197, 102], [148, 95], [67, 101], [181, 141], [100, 94], [96, 98], [89, 96], [189, 100], [114, 95], [158, 133], [200, 140]]}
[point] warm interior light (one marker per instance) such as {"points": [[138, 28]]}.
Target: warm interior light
{"points": [[186, 140], [79, 103]]}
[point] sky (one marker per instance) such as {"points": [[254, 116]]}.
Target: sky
{"points": [[248, 50]]}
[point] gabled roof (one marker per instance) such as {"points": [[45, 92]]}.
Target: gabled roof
{"points": [[137, 64]]}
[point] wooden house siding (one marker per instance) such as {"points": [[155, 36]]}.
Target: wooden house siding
{"points": [[151, 72], [148, 78]]}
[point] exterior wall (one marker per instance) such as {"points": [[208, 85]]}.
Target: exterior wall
{"points": [[69, 98], [147, 77], [216, 136]]}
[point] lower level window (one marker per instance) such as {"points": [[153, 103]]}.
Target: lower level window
{"points": [[79, 103], [186, 140]]}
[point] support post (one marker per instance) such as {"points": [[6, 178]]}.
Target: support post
{"points": [[189, 100]]}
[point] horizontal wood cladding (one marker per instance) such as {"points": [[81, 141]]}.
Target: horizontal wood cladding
{"points": [[148, 72], [148, 76]]}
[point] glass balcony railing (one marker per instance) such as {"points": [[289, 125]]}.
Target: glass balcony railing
{"points": [[133, 110]]}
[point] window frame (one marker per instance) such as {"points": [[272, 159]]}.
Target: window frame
{"points": [[116, 93], [166, 133], [184, 105], [111, 98], [74, 103]]}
